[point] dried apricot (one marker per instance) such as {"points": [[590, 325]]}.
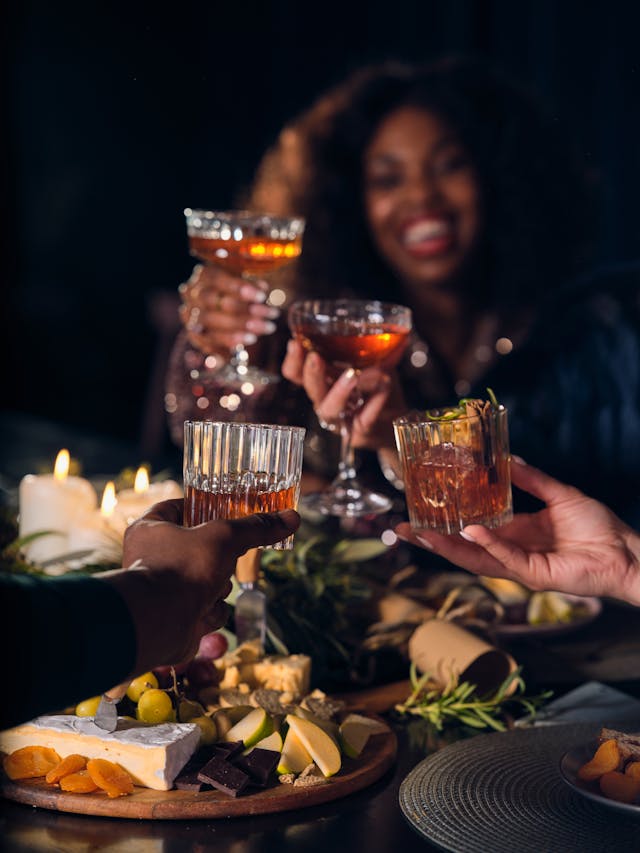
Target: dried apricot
{"points": [[78, 783], [633, 769], [70, 764], [619, 786], [30, 762], [110, 777], [606, 759]]}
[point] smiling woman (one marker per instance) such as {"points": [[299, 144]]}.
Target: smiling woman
{"points": [[421, 198], [447, 188]]}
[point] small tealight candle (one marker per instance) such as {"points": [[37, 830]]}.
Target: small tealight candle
{"points": [[52, 502], [132, 503], [95, 533]]}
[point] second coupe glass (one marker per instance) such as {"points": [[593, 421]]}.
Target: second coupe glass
{"points": [[349, 333]]}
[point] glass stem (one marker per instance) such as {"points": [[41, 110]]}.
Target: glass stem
{"points": [[238, 356], [346, 466]]}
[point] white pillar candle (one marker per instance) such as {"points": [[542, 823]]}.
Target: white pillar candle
{"points": [[96, 533], [132, 503], [52, 502]]}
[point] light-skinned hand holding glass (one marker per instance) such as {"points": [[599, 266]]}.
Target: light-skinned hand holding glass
{"points": [[574, 545]]}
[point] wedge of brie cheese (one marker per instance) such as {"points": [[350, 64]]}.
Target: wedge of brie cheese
{"points": [[153, 755]]}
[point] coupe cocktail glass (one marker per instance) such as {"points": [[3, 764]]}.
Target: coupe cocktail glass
{"points": [[249, 245], [456, 467], [349, 333]]}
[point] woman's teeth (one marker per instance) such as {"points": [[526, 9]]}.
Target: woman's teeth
{"points": [[423, 231]]}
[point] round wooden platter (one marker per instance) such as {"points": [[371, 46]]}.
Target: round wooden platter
{"points": [[377, 757]]}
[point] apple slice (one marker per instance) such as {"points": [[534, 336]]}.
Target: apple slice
{"points": [[254, 727], [272, 742], [295, 757], [327, 726], [353, 737], [318, 744], [376, 727], [225, 718]]}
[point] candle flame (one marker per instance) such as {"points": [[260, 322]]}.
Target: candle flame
{"points": [[61, 468], [109, 500], [141, 483]]}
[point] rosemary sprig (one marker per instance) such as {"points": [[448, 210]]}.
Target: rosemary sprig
{"points": [[459, 702]]}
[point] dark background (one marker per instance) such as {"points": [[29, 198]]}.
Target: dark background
{"points": [[120, 116]]}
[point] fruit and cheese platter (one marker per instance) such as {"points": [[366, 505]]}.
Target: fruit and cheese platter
{"points": [[254, 740]]}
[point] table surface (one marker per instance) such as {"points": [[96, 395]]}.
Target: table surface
{"points": [[370, 820], [608, 650]]}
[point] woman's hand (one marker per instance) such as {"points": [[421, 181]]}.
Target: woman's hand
{"points": [[220, 311], [378, 386], [178, 594], [574, 545]]}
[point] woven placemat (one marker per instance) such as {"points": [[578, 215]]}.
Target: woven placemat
{"points": [[503, 792]]}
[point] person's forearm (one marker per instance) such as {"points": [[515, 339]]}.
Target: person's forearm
{"points": [[149, 596]]}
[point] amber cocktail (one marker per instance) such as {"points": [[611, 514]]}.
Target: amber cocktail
{"points": [[256, 256], [456, 466], [353, 344]]}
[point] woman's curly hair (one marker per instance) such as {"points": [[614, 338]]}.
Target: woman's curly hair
{"points": [[538, 200]]}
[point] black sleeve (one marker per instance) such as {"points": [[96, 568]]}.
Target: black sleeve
{"points": [[63, 640]]}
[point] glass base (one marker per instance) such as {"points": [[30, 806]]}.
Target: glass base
{"points": [[346, 500], [233, 376], [456, 524]]}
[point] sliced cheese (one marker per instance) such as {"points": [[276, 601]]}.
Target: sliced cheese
{"points": [[153, 755]]}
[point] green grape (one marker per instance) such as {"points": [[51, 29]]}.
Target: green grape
{"points": [[138, 686], [88, 707], [187, 709], [155, 706], [208, 729]]}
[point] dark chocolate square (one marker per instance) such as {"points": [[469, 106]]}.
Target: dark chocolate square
{"points": [[187, 778], [259, 764], [189, 782], [221, 774], [227, 750]]}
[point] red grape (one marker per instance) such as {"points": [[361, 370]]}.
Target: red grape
{"points": [[212, 645], [201, 672]]}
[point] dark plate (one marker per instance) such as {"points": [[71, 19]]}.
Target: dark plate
{"points": [[593, 608], [570, 764]]}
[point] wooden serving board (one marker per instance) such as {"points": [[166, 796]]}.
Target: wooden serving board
{"points": [[377, 757], [376, 700]]}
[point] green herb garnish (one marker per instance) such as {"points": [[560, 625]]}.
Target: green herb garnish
{"points": [[450, 413], [459, 702], [318, 594]]}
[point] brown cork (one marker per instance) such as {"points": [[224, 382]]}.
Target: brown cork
{"points": [[444, 649]]}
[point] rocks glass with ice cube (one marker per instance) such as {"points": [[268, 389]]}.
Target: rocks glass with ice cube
{"points": [[456, 467]]}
